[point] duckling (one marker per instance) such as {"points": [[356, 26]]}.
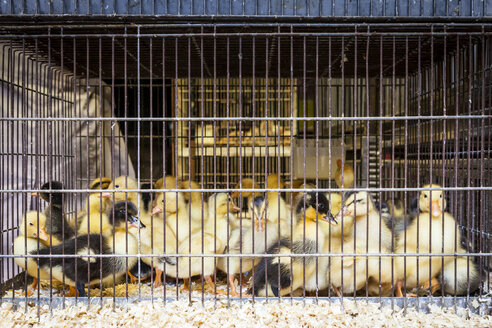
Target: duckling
{"points": [[427, 227], [313, 220], [32, 235], [348, 175], [57, 225], [172, 207], [249, 239], [222, 209], [368, 234], [75, 270], [171, 226], [367, 223], [100, 183], [213, 238], [340, 241]]}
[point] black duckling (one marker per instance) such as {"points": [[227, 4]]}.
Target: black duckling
{"points": [[313, 217], [77, 272]]}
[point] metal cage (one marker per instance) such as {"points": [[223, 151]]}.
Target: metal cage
{"points": [[404, 104]]}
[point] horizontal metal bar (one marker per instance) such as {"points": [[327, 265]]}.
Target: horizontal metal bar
{"points": [[477, 188], [260, 118], [420, 255]]}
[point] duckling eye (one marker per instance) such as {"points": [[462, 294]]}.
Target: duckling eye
{"points": [[117, 186], [440, 196], [425, 195], [31, 224]]}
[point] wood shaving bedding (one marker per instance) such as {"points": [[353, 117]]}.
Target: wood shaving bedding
{"points": [[261, 314]]}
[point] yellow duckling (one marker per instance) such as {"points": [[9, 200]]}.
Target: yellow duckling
{"points": [[32, 236], [425, 235]]}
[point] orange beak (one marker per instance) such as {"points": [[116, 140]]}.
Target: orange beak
{"points": [[436, 208], [339, 163], [35, 194], [156, 210], [105, 195], [259, 224], [235, 209], [235, 194], [43, 235]]}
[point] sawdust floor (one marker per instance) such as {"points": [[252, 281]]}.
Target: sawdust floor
{"points": [[217, 314]]}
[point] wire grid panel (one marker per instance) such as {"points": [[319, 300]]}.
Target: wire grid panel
{"points": [[282, 8], [217, 112]]}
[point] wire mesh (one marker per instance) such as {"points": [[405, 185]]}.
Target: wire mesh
{"points": [[237, 155]]}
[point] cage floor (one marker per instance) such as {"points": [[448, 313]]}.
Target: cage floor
{"points": [[219, 313], [145, 290]]}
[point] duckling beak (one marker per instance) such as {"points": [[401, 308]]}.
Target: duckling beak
{"points": [[35, 194], [330, 219], [43, 235], [135, 222], [104, 195], [235, 194], [156, 210], [344, 211], [259, 223], [235, 209], [436, 208]]}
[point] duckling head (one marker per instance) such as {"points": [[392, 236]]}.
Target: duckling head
{"points": [[169, 202], [54, 198], [122, 183], [258, 209], [100, 183], [357, 204], [315, 206], [220, 204], [123, 214], [438, 201], [33, 225], [335, 200]]}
